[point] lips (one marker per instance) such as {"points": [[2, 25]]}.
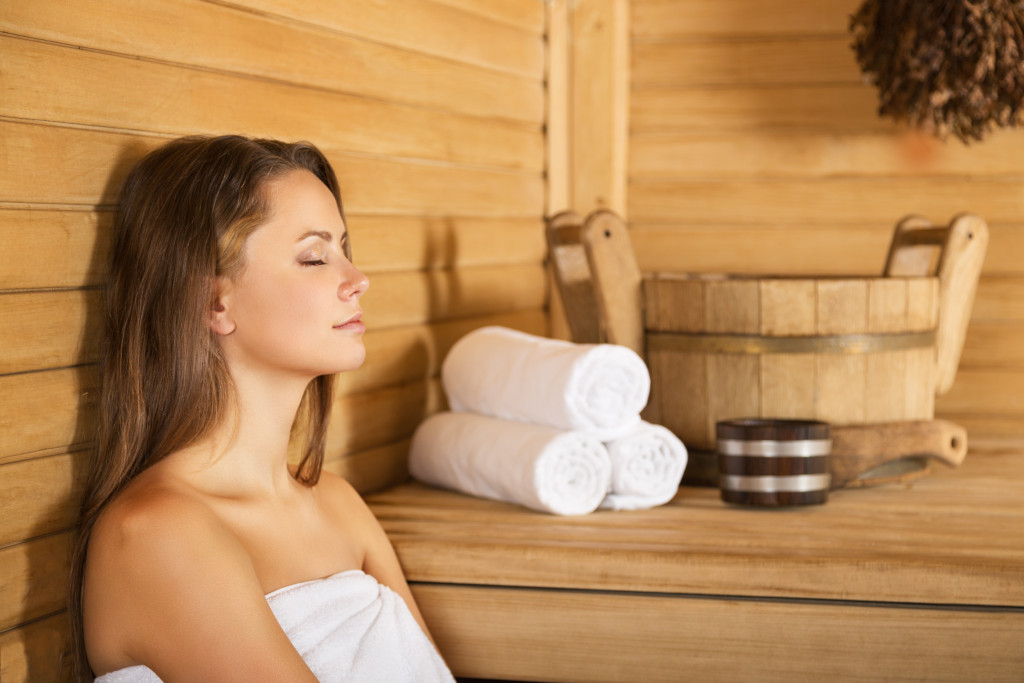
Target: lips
{"points": [[353, 324]]}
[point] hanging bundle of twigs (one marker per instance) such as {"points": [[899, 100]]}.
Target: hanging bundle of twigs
{"points": [[944, 66]]}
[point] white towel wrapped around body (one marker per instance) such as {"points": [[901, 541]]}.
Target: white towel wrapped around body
{"points": [[347, 627], [539, 467], [647, 466], [595, 388]]}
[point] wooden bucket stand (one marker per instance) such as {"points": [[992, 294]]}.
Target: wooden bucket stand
{"points": [[868, 355]]}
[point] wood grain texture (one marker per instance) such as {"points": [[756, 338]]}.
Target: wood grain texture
{"points": [[40, 248], [663, 20], [809, 201], [45, 412], [40, 496], [828, 107], [813, 154], [34, 575], [33, 652], [525, 14], [769, 61], [49, 329], [600, 73]]}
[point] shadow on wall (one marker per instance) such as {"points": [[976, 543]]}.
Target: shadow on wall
{"points": [[46, 643]]}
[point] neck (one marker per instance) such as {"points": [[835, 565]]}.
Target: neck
{"points": [[247, 455]]}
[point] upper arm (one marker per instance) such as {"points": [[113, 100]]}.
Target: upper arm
{"points": [[168, 586]]}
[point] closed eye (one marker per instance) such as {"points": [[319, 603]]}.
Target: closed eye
{"points": [[314, 262]]}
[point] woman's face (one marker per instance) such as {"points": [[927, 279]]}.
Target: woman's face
{"points": [[294, 307]]}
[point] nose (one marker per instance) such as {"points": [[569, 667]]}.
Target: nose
{"points": [[353, 282]]}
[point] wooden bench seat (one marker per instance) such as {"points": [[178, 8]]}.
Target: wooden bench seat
{"points": [[919, 581]]}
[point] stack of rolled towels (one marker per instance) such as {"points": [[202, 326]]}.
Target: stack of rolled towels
{"points": [[548, 424]]}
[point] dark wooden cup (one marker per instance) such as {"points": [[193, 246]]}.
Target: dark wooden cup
{"points": [[773, 463]]}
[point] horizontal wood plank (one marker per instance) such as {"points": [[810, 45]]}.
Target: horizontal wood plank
{"points": [[34, 577], [374, 469], [214, 36], [57, 83], [834, 107], [404, 298], [34, 652], [994, 345], [856, 200], [428, 27], [46, 412], [363, 421], [664, 20], [594, 637], [986, 393], [798, 247], [999, 298], [762, 61], [40, 248], [526, 14], [982, 428], [41, 496], [761, 249], [94, 170], [392, 243], [49, 329], [778, 154]]}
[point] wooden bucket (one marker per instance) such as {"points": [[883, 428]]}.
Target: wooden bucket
{"points": [[851, 351]]}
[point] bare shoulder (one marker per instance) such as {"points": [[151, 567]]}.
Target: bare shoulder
{"points": [[150, 543], [167, 583], [338, 489], [349, 511], [153, 520]]}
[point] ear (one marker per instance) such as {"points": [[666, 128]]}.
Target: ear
{"points": [[220, 319]]}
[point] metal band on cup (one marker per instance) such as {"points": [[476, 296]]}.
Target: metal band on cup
{"points": [[776, 449], [797, 483]]}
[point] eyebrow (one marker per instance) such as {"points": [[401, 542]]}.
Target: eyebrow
{"points": [[325, 236]]}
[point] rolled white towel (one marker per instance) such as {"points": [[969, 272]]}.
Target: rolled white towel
{"points": [[540, 467], [595, 388], [647, 466]]}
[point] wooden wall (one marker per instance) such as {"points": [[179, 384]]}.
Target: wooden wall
{"points": [[433, 116], [755, 147]]}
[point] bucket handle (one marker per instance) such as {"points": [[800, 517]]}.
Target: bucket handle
{"points": [[961, 251]]}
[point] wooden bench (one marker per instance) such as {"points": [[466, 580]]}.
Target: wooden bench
{"points": [[917, 581]]}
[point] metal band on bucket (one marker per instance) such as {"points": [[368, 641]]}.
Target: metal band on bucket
{"points": [[798, 483], [753, 344], [776, 449]]}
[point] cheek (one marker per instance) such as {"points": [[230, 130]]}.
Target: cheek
{"points": [[280, 306]]}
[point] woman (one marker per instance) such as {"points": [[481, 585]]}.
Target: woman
{"points": [[202, 555]]}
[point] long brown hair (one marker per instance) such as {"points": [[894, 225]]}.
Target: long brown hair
{"points": [[186, 211]]}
